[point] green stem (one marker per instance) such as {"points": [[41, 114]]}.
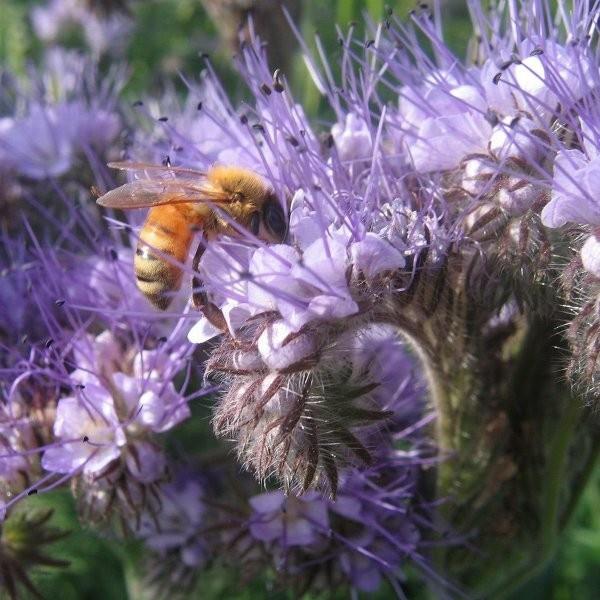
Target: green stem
{"points": [[581, 483], [551, 524], [559, 458]]}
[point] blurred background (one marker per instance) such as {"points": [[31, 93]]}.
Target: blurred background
{"points": [[161, 41]]}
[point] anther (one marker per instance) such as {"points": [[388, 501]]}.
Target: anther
{"points": [[492, 118], [277, 83]]}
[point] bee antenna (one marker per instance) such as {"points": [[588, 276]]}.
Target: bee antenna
{"points": [[167, 161]]}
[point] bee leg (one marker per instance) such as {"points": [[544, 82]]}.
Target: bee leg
{"points": [[200, 298]]}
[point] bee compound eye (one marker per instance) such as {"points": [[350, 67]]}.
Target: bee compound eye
{"points": [[255, 223], [275, 219]]}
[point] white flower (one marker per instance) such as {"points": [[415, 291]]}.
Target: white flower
{"points": [[590, 255]]}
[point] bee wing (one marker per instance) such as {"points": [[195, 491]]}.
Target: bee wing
{"points": [[155, 169], [150, 192]]}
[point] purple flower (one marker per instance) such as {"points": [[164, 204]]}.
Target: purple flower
{"points": [[442, 122], [374, 255], [177, 524], [102, 33], [120, 396], [576, 178], [289, 521], [352, 138], [88, 434], [152, 404], [104, 433], [38, 145], [399, 213], [367, 533], [72, 115]]}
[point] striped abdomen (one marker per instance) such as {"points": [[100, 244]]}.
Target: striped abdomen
{"points": [[163, 247]]}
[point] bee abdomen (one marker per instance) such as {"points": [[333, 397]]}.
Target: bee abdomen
{"points": [[163, 247], [156, 278]]}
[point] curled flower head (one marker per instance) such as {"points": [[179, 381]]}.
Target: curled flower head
{"points": [[303, 405]]}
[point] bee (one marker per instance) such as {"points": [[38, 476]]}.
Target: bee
{"points": [[224, 200]]}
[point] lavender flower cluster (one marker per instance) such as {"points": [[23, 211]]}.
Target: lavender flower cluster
{"points": [[437, 180]]}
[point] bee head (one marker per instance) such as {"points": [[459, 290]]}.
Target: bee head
{"points": [[269, 223]]}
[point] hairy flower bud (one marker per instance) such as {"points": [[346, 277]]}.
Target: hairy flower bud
{"points": [[313, 410]]}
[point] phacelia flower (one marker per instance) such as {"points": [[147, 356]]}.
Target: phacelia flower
{"points": [[72, 115], [442, 223], [102, 32], [367, 534], [117, 399]]}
